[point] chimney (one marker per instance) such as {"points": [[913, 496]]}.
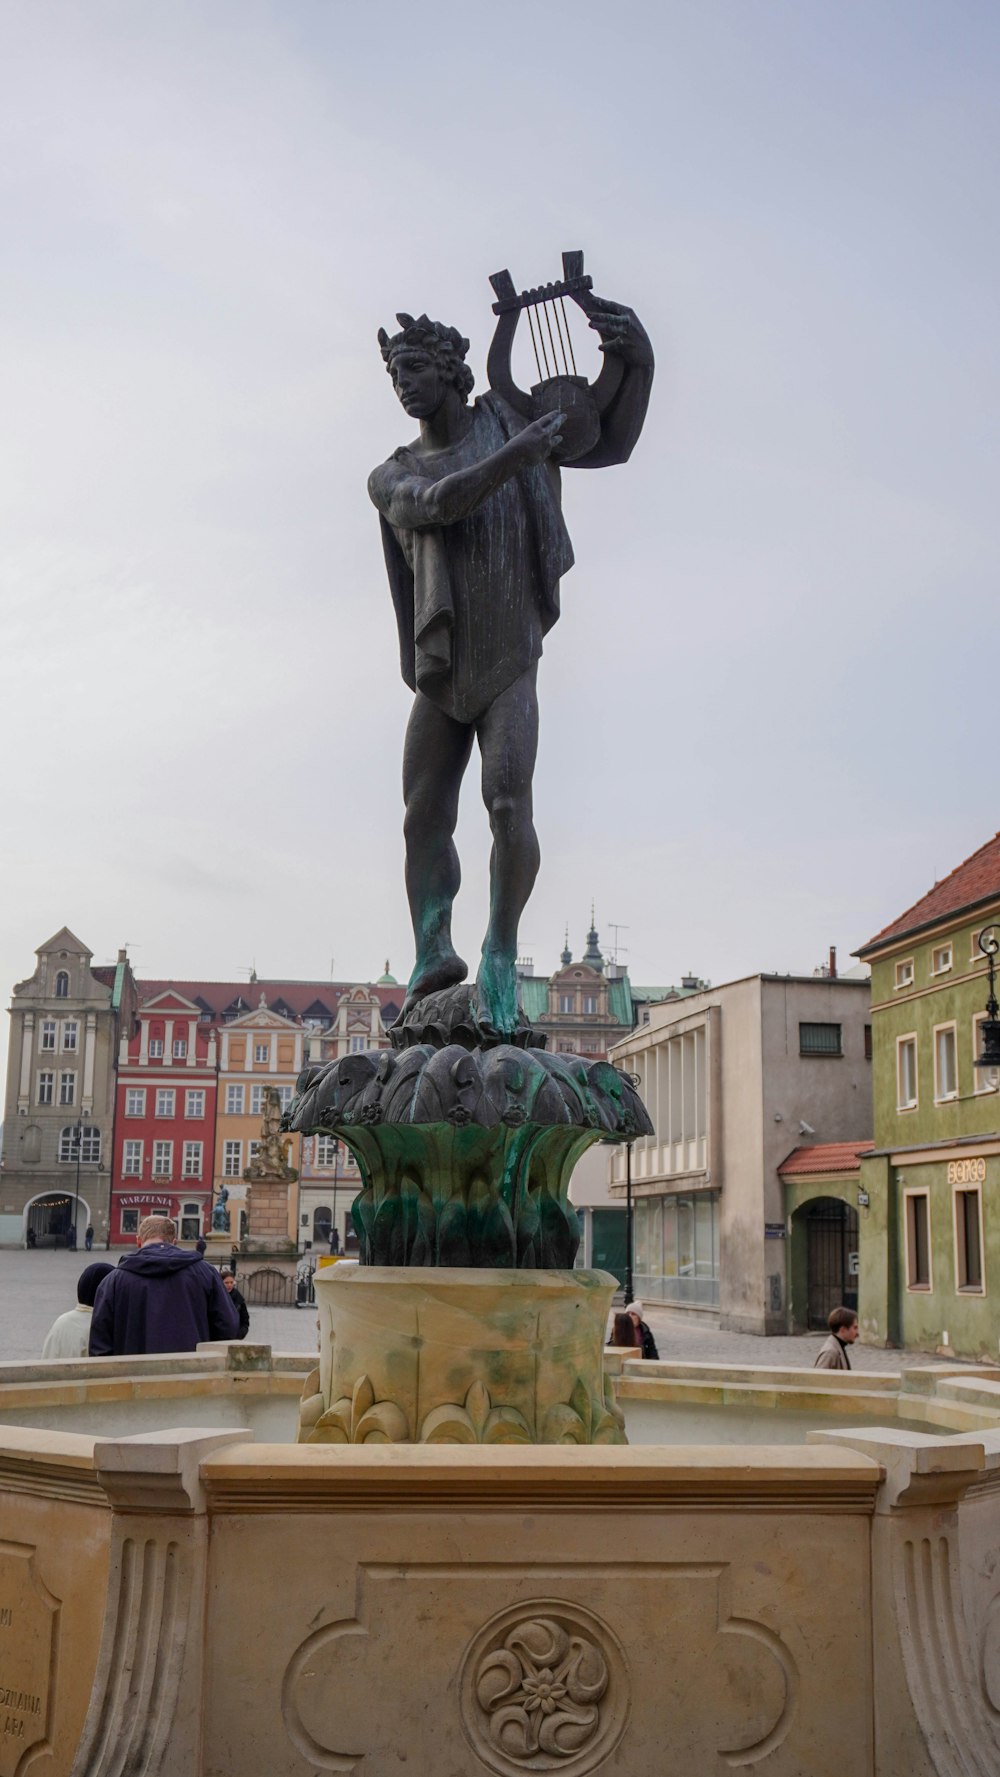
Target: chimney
{"points": [[833, 962]]}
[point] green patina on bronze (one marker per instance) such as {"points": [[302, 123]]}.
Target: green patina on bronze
{"points": [[466, 1155]]}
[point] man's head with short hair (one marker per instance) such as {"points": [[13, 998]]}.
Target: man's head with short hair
{"points": [[156, 1228], [841, 1321]]}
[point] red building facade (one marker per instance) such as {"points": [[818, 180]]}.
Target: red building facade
{"points": [[165, 1115]]}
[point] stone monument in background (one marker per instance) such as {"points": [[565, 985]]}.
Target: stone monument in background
{"points": [[466, 1321]]}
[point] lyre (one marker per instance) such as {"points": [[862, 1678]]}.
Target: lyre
{"points": [[558, 386]]}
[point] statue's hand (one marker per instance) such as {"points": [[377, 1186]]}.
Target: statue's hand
{"points": [[622, 333], [537, 441]]}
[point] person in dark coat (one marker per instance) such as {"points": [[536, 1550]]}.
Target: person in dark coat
{"points": [[238, 1301], [160, 1299], [646, 1340]]}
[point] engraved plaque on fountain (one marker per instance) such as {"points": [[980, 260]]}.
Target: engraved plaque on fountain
{"points": [[28, 1618]]}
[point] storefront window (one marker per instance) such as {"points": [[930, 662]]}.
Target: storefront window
{"points": [[130, 1221], [677, 1248]]}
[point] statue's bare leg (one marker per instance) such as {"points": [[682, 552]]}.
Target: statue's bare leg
{"points": [[435, 755], [508, 740]]}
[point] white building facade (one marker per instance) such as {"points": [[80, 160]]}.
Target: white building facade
{"points": [[734, 1078]]}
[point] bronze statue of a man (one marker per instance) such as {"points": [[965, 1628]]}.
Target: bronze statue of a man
{"points": [[475, 546]]}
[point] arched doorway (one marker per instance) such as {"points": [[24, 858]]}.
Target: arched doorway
{"points": [[831, 1227], [48, 1218]]}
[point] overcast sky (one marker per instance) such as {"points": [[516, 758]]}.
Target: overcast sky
{"points": [[769, 709]]}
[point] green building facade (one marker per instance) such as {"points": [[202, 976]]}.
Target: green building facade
{"points": [[930, 1246]]}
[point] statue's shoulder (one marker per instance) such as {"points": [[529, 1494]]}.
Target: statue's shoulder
{"points": [[500, 412]]}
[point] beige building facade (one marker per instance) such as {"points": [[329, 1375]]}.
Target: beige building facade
{"points": [[60, 1097], [734, 1078]]}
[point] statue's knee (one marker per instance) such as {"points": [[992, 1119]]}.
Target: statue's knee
{"points": [[510, 816]]}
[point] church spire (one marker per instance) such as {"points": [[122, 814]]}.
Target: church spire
{"points": [[567, 954], [592, 954]]}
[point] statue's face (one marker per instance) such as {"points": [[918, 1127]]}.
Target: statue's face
{"points": [[419, 381]]}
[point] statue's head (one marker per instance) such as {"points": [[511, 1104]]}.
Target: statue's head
{"points": [[426, 359]]}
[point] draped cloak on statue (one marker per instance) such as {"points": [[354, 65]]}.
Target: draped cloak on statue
{"points": [[474, 599]]}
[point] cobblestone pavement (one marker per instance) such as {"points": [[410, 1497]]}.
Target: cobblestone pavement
{"points": [[36, 1287]]}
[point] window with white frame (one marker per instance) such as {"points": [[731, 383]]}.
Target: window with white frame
{"points": [[190, 1221], [262, 1052], [130, 1221], [194, 1103], [567, 1002], [941, 959], [135, 1101], [70, 1031], [918, 1245], [906, 1073], [132, 1159], [62, 985], [984, 1078], [165, 1101], [358, 1045], [46, 1085], [180, 1048], [192, 1159], [163, 1159], [285, 1095], [232, 1159], [945, 1062], [256, 1100], [89, 1141], [67, 1088], [234, 1101], [589, 1004], [969, 1241], [155, 1048], [904, 973], [253, 1149], [326, 1150], [48, 1036]]}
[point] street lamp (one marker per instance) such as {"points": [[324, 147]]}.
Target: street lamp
{"points": [[76, 1148], [636, 1081], [989, 1060]]}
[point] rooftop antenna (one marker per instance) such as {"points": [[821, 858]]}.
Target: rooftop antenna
{"points": [[249, 970], [616, 946]]}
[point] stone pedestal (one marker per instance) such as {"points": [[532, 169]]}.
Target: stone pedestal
{"points": [[460, 1356], [268, 1213]]}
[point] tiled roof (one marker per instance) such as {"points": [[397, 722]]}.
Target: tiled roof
{"points": [[301, 997], [969, 884], [825, 1156]]}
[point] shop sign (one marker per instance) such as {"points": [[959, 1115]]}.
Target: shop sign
{"points": [[967, 1172], [774, 1231], [137, 1201]]}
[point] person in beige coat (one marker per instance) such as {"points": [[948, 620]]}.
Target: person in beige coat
{"points": [[844, 1329]]}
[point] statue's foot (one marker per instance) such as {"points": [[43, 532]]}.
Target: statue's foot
{"points": [[439, 968], [496, 985]]}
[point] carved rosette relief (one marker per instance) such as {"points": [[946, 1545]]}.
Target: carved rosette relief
{"points": [[544, 1687]]}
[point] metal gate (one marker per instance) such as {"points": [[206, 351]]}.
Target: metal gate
{"points": [[832, 1247]]}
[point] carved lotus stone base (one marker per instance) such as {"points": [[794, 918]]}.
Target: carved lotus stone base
{"points": [[422, 1355]]}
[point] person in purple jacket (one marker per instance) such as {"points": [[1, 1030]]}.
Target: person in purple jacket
{"points": [[160, 1299]]}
